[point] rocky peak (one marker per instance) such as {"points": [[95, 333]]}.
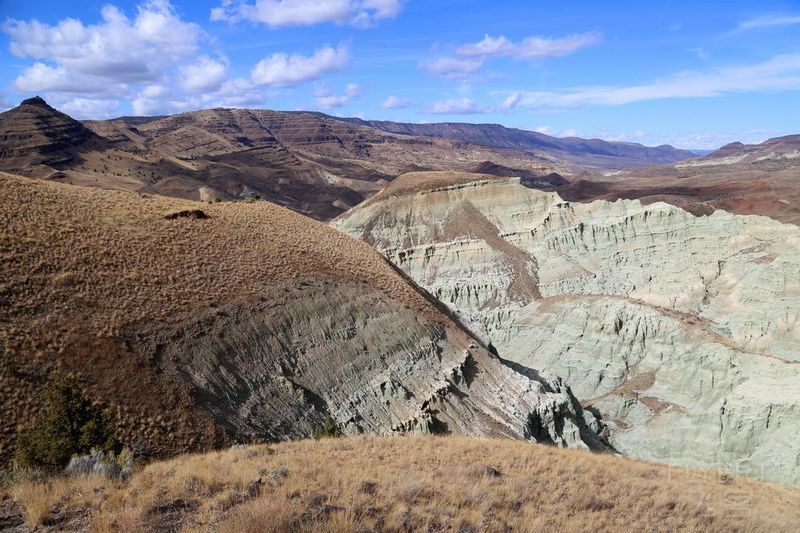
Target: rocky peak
{"points": [[36, 100]]}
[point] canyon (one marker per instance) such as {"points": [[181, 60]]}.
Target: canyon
{"points": [[682, 332]]}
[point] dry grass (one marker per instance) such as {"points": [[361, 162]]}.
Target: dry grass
{"points": [[79, 259], [417, 483]]}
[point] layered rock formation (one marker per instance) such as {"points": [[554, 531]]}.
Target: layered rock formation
{"points": [[683, 331], [206, 324], [39, 140], [312, 163]]}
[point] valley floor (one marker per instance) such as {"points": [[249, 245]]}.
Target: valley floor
{"points": [[407, 484]]}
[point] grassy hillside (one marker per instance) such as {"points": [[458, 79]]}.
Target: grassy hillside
{"points": [[89, 274], [410, 484]]}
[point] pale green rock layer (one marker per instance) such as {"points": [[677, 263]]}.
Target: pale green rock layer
{"points": [[682, 331]]}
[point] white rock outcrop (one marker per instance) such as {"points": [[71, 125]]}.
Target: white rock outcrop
{"points": [[682, 331]]}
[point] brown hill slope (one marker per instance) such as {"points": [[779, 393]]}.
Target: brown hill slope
{"points": [[411, 484], [239, 321], [39, 141], [349, 154], [761, 179]]}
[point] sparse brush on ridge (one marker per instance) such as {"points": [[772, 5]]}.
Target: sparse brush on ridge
{"points": [[70, 425]]}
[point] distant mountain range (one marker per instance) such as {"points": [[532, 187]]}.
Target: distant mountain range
{"points": [[592, 153], [747, 179], [312, 163]]}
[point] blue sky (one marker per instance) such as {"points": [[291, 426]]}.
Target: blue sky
{"points": [[692, 74]]}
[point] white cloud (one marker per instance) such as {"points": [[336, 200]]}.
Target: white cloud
{"points": [[455, 106], [280, 13], [699, 51], [768, 21], [204, 75], [394, 102], [569, 132], [237, 92], [452, 67], [471, 57], [326, 99], [150, 60], [545, 130], [40, 77], [489, 46], [89, 108], [530, 48], [511, 101], [282, 70], [781, 73], [352, 90], [118, 50], [162, 100]]}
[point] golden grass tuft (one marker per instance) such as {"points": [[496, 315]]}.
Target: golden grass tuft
{"points": [[418, 483], [36, 500]]}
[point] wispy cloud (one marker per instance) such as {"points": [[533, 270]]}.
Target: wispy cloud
{"points": [[530, 48], [781, 73], [395, 102], [699, 51], [768, 21], [470, 57], [326, 99], [454, 106], [452, 68]]}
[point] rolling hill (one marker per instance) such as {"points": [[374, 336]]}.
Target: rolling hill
{"points": [[588, 153], [313, 163], [407, 484]]}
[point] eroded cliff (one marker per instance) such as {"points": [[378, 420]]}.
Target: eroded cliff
{"points": [[683, 331]]}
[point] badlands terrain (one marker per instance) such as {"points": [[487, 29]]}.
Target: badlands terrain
{"points": [[473, 281], [212, 324], [759, 179], [681, 332]]}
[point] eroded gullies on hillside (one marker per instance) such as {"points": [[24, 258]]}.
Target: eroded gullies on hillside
{"points": [[683, 331], [250, 322]]}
